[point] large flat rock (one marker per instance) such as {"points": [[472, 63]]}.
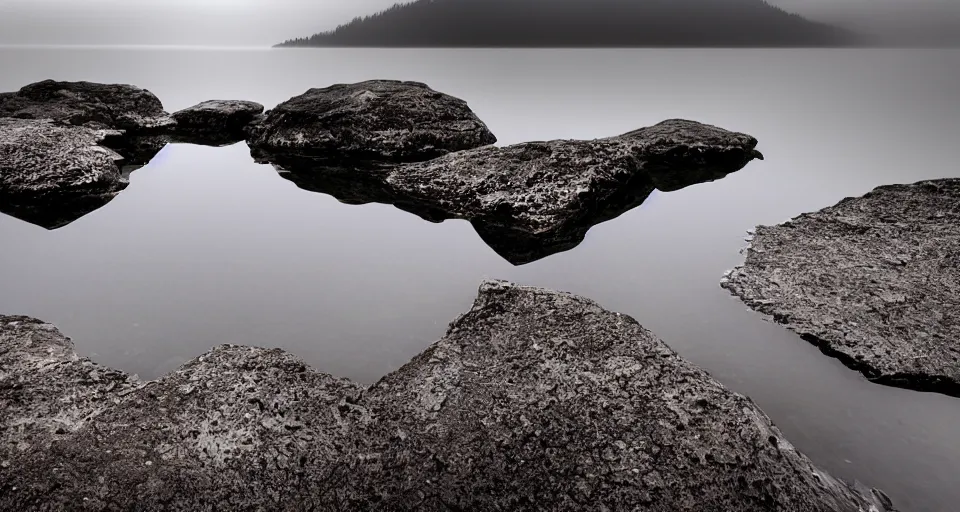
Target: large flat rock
{"points": [[874, 281], [533, 400]]}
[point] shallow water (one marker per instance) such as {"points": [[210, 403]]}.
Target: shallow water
{"points": [[207, 247]]}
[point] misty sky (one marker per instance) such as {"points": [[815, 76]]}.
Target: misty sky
{"points": [[264, 22]]}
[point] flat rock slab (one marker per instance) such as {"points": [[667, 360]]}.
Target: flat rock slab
{"points": [[51, 173], [533, 400], [874, 281], [216, 121], [117, 106], [376, 120]]}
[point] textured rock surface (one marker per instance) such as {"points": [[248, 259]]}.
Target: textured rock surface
{"points": [[373, 120], [534, 400], [874, 281], [216, 121], [124, 107], [46, 391], [51, 174], [530, 200]]}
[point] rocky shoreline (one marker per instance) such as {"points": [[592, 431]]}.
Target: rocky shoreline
{"points": [[873, 281], [385, 141], [492, 416]]}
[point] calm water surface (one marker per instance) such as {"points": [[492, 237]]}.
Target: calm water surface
{"points": [[207, 247]]}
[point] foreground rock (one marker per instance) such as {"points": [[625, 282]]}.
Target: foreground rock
{"points": [[534, 199], [216, 122], [874, 281], [115, 106], [52, 174], [376, 120], [534, 400], [46, 391]]}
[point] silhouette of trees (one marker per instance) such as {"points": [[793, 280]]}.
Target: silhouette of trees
{"points": [[580, 23]]}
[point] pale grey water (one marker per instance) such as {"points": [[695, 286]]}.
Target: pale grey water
{"points": [[207, 247]]}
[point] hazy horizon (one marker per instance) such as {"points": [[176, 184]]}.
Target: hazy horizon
{"points": [[267, 22]]}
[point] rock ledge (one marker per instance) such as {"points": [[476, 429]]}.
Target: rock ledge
{"points": [[873, 281]]}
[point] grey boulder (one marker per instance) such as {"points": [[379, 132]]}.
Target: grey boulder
{"points": [[115, 106], [873, 281], [52, 173], [216, 121], [533, 196], [376, 120], [533, 400]]}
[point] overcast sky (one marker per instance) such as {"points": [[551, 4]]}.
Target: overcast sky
{"points": [[264, 22]]}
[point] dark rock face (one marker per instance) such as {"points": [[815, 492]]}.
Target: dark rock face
{"points": [[379, 120], [534, 400], [122, 107], [874, 281], [216, 122], [534, 199], [52, 174]]}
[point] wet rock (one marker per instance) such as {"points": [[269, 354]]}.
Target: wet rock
{"points": [[115, 106], [216, 122], [378, 120], [534, 400], [873, 281], [534, 199], [52, 174]]}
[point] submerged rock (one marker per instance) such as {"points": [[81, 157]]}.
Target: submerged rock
{"points": [[873, 281], [216, 122], [115, 106], [52, 174], [379, 120], [534, 199], [534, 400]]}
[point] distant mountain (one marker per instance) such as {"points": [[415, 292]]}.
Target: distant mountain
{"points": [[581, 23]]}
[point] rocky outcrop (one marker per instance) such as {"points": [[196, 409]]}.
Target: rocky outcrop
{"points": [[52, 174], [874, 281], [115, 106], [534, 400], [47, 392], [216, 122], [376, 120], [534, 199]]}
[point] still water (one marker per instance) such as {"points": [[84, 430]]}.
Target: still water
{"points": [[208, 247]]}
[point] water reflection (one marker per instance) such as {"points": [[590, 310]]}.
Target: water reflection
{"points": [[531, 200]]}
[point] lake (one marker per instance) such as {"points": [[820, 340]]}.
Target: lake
{"points": [[207, 247]]}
